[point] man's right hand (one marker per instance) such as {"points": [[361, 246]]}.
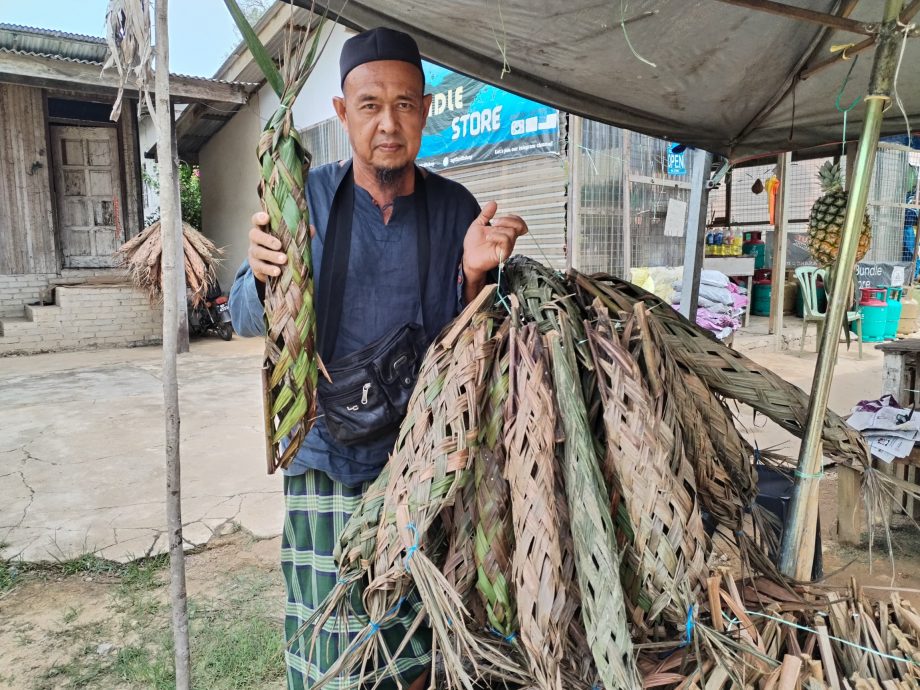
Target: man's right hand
{"points": [[264, 258]]}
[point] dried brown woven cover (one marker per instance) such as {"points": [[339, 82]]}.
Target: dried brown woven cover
{"points": [[603, 605], [289, 369], [732, 451], [724, 370], [544, 611], [437, 441], [666, 544]]}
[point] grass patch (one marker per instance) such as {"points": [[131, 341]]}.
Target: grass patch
{"points": [[7, 575], [230, 652], [236, 637], [70, 615]]}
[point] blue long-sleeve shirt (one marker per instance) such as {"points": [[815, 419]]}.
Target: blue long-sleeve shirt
{"points": [[381, 293]]}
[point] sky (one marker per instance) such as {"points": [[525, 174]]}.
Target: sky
{"points": [[201, 32]]}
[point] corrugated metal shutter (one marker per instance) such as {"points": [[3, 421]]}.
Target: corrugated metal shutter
{"points": [[534, 189]]}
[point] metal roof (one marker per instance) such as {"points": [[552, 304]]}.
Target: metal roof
{"points": [[29, 39], [33, 47], [732, 80]]}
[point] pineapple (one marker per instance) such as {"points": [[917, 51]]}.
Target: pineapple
{"points": [[825, 223]]}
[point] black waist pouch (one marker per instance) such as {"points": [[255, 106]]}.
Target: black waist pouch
{"points": [[369, 393]]}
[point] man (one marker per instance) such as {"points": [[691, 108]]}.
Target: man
{"points": [[383, 109]]}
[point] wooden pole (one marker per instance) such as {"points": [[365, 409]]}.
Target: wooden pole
{"points": [[626, 206], [780, 237], [182, 343], [797, 551], [573, 217], [171, 224], [696, 232]]}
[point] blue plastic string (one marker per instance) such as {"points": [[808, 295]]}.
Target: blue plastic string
{"points": [[688, 627], [412, 549], [507, 638], [376, 625], [846, 79]]}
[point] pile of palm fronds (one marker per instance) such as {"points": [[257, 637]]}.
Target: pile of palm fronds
{"points": [[567, 462], [142, 256], [799, 637]]}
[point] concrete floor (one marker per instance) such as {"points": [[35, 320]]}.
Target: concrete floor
{"points": [[81, 444], [82, 458]]}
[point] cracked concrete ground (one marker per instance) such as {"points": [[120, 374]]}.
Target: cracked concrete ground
{"points": [[82, 458]]}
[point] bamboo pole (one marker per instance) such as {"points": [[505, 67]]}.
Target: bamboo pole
{"points": [[780, 241], [171, 233], [798, 545]]}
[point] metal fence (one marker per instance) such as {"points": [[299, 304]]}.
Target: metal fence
{"points": [[895, 190], [621, 208]]}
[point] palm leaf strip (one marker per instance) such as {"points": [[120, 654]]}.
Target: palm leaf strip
{"points": [[289, 369], [603, 604], [725, 371], [493, 536]]}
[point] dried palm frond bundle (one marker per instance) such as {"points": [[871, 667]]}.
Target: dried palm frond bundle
{"points": [[567, 449], [531, 469], [142, 257], [127, 33], [727, 372], [666, 542], [289, 370]]}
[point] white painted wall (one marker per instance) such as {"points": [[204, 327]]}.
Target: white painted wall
{"points": [[229, 179], [229, 169]]}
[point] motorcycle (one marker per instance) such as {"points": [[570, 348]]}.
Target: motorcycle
{"points": [[211, 315]]}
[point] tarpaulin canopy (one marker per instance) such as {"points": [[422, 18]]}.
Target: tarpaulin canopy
{"points": [[730, 79]]}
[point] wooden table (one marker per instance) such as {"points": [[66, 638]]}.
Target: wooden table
{"points": [[900, 379], [735, 267]]}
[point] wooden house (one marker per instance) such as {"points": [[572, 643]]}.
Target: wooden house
{"points": [[71, 192]]}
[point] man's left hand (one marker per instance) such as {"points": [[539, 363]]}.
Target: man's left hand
{"points": [[489, 241]]}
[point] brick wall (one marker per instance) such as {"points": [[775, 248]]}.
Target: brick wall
{"points": [[85, 316], [18, 290]]}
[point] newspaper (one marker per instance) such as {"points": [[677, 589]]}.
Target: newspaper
{"points": [[889, 429]]}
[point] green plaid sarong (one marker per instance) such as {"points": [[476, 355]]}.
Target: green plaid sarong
{"points": [[317, 509]]}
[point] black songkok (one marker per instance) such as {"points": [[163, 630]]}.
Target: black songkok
{"points": [[379, 44]]}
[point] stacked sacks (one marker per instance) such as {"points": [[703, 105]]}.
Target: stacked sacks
{"points": [[720, 304]]}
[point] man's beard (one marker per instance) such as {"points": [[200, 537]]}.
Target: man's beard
{"points": [[390, 177]]}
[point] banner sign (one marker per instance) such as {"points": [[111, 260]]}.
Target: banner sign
{"points": [[471, 122], [876, 274]]}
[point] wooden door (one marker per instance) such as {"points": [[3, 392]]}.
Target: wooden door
{"points": [[86, 173]]}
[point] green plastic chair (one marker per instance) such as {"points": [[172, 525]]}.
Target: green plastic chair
{"points": [[808, 279]]}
